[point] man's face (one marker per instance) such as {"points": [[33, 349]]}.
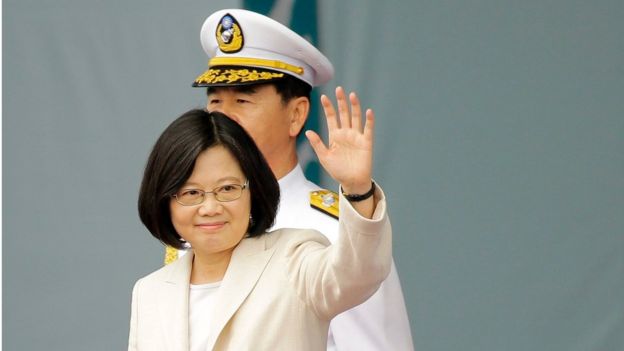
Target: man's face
{"points": [[259, 109]]}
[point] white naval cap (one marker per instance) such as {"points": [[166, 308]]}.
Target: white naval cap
{"points": [[245, 47]]}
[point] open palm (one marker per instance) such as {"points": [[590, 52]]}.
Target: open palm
{"points": [[348, 156]]}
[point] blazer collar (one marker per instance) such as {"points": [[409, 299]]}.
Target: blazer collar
{"points": [[173, 305], [249, 260]]}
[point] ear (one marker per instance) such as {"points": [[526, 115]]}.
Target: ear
{"points": [[299, 109]]}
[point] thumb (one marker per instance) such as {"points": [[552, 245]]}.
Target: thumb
{"points": [[316, 143]]}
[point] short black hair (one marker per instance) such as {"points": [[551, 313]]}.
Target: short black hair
{"points": [[171, 163], [287, 87], [290, 87]]}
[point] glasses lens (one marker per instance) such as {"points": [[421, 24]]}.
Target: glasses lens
{"points": [[189, 197], [228, 192]]}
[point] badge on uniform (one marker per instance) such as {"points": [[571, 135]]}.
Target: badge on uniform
{"points": [[229, 34], [325, 201]]}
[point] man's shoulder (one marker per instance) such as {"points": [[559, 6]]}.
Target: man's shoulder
{"points": [[305, 204], [316, 197]]}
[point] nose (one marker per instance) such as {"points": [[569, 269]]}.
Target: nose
{"points": [[210, 206], [227, 108]]}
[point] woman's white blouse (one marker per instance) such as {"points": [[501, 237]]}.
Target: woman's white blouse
{"points": [[201, 307]]}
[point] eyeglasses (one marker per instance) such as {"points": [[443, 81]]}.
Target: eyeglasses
{"points": [[223, 193]]}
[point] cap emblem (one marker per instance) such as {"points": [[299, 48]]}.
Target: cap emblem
{"points": [[229, 34]]}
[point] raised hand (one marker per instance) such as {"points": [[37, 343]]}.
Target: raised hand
{"points": [[348, 156]]}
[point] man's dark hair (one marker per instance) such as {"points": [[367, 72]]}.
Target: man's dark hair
{"points": [[290, 87], [172, 160]]}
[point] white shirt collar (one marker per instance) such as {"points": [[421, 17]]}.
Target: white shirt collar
{"points": [[293, 179]]}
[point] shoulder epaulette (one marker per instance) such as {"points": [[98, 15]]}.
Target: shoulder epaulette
{"points": [[171, 254], [325, 201]]}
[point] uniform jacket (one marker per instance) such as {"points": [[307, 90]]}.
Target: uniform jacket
{"points": [[380, 323], [279, 292]]}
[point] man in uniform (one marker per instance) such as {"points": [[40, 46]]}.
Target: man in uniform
{"points": [[260, 74]]}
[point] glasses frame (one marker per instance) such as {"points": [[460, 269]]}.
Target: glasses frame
{"points": [[214, 193]]}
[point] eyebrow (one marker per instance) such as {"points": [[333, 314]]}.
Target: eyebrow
{"points": [[220, 180]]}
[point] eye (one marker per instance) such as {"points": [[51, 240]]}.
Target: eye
{"points": [[228, 188], [213, 101], [190, 193], [242, 101]]}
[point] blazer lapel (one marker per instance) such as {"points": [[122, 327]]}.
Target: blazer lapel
{"points": [[173, 304], [249, 260]]}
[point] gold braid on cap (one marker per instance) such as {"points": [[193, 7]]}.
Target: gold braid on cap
{"points": [[247, 61], [214, 76]]}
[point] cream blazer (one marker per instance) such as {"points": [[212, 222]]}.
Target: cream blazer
{"points": [[279, 292]]}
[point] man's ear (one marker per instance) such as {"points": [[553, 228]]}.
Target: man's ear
{"points": [[299, 109]]}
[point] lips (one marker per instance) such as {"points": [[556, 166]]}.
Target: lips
{"points": [[210, 226]]}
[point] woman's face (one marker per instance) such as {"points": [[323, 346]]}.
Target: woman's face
{"points": [[213, 227]]}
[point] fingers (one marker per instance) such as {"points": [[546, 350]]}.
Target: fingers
{"points": [[316, 143], [369, 127], [343, 108], [356, 112], [347, 119], [330, 113]]}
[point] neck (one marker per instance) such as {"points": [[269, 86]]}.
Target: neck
{"points": [[282, 164], [209, 268]]}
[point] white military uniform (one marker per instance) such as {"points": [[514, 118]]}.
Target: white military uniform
{"points": [[378, 324]]}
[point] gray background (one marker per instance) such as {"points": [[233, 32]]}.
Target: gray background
{"points": [[500, 145]]}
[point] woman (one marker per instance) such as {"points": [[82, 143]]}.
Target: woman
{"points": [[207, 185]]}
